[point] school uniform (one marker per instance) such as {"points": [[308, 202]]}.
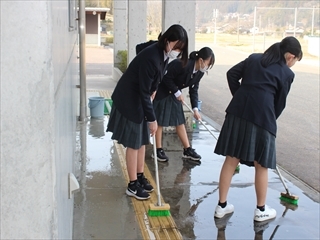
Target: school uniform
{"points": [[169, 111], [259, 97], [132, 107]]}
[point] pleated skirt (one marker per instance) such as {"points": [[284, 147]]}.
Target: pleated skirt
{"points": [[126, 132], [247, 142], [169, 111]]}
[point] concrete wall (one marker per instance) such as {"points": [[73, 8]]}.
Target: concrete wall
{"points": [[119, 32], [137, 26], [183, 13], [39, 71]]}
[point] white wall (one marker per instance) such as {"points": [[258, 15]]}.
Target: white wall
{"points": [[183, 13], [120, 14], [39, 72], [313, 46]]}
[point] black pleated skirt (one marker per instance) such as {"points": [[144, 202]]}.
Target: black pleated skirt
{"points": [[169, 111], [247, 142], [126, 132]]}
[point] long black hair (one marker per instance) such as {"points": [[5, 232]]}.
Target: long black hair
{"points": [[275, 53], [204, 53], [176, 33]]}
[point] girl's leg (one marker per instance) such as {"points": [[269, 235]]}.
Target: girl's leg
{"points": [[159, 137], [132, 163], [141, 157], [182, 133], [226, 174], [261, 183]]}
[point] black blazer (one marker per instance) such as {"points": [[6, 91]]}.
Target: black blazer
{"points": [[131, 95], [261, 96], [178, 77]]}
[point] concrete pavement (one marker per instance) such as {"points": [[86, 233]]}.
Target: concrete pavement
{"points": [[103, 211]]}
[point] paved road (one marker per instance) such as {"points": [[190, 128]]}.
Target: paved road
{"points": [[298, 126]]}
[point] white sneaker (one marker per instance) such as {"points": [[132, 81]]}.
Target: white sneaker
{"points": [[220, 212], [268, 213]]}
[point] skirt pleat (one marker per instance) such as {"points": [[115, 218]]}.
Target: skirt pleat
{"points": [[126, 132], [247, 142], [169, 111]]}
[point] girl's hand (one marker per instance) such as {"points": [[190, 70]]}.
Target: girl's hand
{"points": [[153, 126], [153, 95], [196, 114], [180, 98]]}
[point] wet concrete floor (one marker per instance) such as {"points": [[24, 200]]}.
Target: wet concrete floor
{"points": [[103, 211]]}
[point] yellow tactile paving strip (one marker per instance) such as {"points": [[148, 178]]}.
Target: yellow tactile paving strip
{"points": [[151, 227]]}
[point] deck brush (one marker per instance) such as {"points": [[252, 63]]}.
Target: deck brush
{"points": [[286, 196], [158, 209]]}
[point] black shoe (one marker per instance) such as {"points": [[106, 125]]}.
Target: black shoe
{"points": [[190, 153], [161, 156], [135, 190], [145, 184]]}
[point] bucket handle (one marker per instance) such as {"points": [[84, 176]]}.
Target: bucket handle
{"points": [[94, 105]]}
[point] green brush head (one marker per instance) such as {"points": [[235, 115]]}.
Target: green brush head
{"points": [[289, 200], [158, 213]]}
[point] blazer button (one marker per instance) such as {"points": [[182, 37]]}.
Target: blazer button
{"points": [[169, 91], [182, 84]]}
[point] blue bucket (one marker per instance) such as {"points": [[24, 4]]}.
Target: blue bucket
{"points": [[199, 105], [96, 105]]}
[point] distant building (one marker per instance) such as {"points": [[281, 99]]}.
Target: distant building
{"points": [[93, 27], [292, 32]]}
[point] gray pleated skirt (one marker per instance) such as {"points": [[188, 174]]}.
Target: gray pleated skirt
{"points": [[169, 111], [247, 142], [126, 132]]}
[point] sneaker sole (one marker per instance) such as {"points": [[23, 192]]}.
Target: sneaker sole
{"points": [[221, 216], [191, 158], [137, 197], [149, 191], [264, 220]]}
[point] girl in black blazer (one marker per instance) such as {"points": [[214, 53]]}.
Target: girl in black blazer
{"points": [[259, 86], [168, 101], [132, 118]]}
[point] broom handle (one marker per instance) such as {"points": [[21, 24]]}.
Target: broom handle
{"points": [[281, 178], [156, 169], [190, 109]]}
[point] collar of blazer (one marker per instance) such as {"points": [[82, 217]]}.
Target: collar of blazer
{"points": [[190, 66]]}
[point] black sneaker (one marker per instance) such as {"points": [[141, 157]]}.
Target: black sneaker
{"points": [[161, 156], [137, 191], [145, 184], [190, 153]]}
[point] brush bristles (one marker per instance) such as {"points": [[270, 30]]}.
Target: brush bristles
{"points": [[289, 200], [159, 211]]}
